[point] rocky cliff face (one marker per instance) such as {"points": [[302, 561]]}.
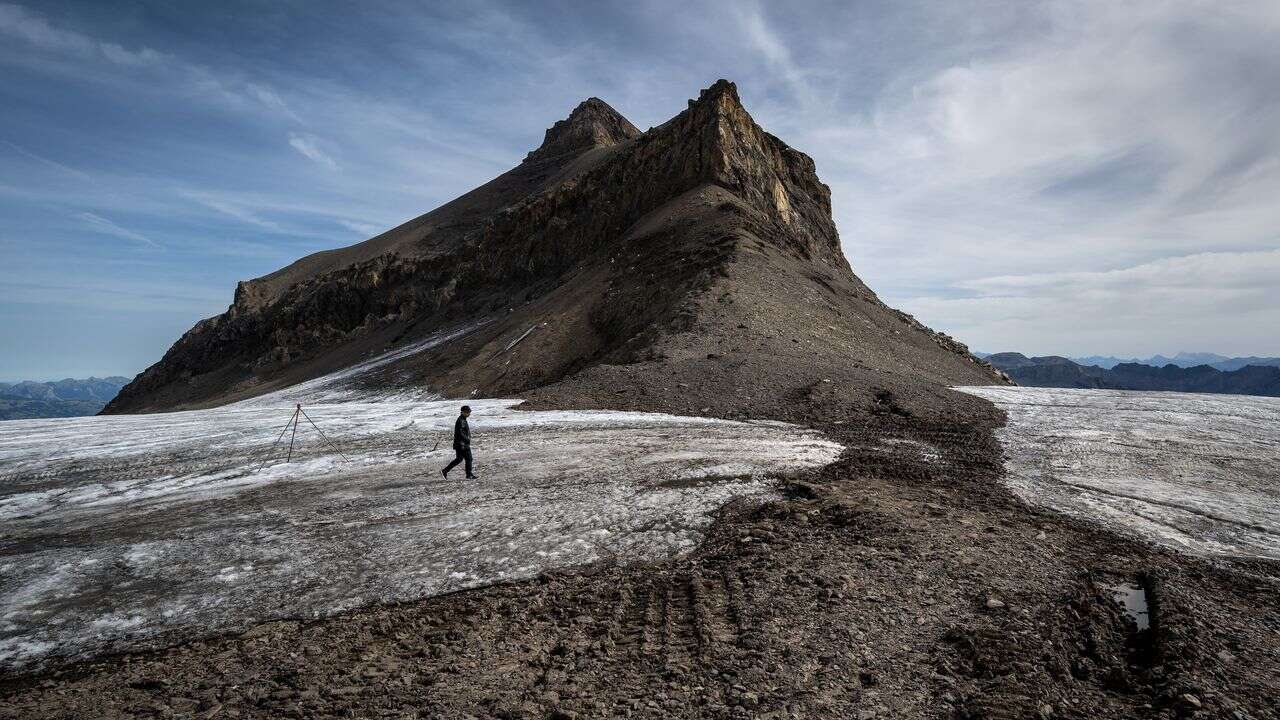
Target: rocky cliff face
{"points": [[621, 248]]}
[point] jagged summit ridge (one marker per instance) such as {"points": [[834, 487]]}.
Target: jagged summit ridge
{"points": [[593, 123], [721, 92], [739, 155]]}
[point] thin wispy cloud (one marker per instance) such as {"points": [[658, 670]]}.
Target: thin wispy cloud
{"points": [[126, 296], [761, 38], [363, 229], [234, 210], [309, 147], [19, 24], [195, 79], [1106, 140], [1223, 296], [107, 227], [47, 162], [271, 99]]}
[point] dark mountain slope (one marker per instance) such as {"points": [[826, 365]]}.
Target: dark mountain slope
{"points": [[571, 147], [697, 262], [1249, 380], [328, 309]]}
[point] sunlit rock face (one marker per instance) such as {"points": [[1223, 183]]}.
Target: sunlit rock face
{"points": [[1197, 472]]}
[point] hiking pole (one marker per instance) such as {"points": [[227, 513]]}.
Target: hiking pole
{"points": [[317, 427]]}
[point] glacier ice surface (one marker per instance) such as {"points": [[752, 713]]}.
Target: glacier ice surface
{"points": [[123, 532], [1197, 472]]}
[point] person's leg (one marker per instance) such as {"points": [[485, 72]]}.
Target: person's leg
{"points": [[468, 456], [457, 460]]}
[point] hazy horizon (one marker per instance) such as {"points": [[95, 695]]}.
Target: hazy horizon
{"points": [[1076, 178], [983, 351]]}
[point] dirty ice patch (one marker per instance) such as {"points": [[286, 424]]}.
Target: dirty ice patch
{"points": [[1197, 472], [124, 532], [346, 385]]}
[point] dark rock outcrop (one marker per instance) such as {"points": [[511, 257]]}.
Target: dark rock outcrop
{"points": [[619, 243], [592, 124]]}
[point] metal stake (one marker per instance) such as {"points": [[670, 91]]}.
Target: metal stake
{"points": [[296, 410]]}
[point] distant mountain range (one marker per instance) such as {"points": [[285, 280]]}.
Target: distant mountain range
{"points": [[1182, 360], [1056, 371], [60, 398]]}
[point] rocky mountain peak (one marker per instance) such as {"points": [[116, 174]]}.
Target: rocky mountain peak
{"points": [[620, 246], [593, 123], [720, 138], [722, 94]]}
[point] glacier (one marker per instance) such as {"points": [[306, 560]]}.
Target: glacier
{"points": [[1191, 471], [129, 532]]}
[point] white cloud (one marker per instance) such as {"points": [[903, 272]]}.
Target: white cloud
{"points": [[105, 226], [88, 52], [363, 229], [233, 209], [47, 162], [16, 22], [309, 146], [1121, 153], [763, 40], [1223, 301], [271, 99], [118, 295], [1252, 270]]}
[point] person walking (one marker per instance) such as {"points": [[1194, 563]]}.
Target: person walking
{"points": [[461, 443]]}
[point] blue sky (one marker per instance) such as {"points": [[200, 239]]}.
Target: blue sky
{"points": [[1058, 177]]}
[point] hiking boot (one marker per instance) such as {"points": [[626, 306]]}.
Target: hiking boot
{"points": [[472, 477], [445, 473]]}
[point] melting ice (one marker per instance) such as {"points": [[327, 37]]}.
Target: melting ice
{"points": [[128, 531], [1197, 472]]}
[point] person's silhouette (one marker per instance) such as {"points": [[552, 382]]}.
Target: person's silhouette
{"points": [[461, 443]]}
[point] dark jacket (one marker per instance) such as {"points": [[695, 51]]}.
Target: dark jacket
{"points": [[461, 434]]}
